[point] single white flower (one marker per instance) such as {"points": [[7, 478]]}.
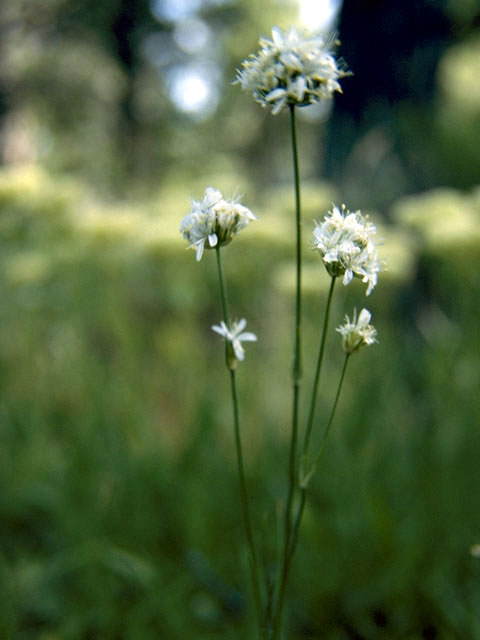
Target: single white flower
{"points": [[291, 68], [234, 337], [346, 242], [213, 221], [357, 333]]}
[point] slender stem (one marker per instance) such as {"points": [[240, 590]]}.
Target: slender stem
{"points": [[223, 288], [316, 381], [298, 520], [297, 376], [334, 408], [245, 508], [292, 541], [241, 469], [304, 489], [297, 359]]}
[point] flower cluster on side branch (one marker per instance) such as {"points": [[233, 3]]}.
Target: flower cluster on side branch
{"points": [[213, 221], [346, 242], [357, 333]]}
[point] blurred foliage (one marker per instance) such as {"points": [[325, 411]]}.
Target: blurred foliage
{"points": [[118, 512], [119, 518], [94, 90]]}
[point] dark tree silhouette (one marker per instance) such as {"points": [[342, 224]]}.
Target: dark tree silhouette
{"points": [[394, 48]]}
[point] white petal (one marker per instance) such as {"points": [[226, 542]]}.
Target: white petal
{"points": [[200, 250], [291, 60], [279, 106], [221, 329], [212, 240], [212, 196], [347, 278], [240, 325], [364, 318], [297, 88], [247, 337], [276, 94], [239, 350], [277, 37]]}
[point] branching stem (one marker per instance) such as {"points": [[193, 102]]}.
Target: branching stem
{"points": [[304, 489]]}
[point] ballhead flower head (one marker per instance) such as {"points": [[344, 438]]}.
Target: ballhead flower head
{"points": [[357, 333], [234, 338], [291, 68], [213, 221], [346, 242]]}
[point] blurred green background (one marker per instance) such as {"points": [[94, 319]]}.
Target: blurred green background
{"points": [[119, 516]]}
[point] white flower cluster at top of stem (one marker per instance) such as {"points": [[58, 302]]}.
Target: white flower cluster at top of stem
{"points": [[291, 68], [213, 221], [346, 242]]}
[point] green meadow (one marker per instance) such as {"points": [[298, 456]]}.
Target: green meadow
{"points": [[119, 502]]}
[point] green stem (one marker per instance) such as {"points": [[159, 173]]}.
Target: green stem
{"points": [[223, 288], [297, 376], [316, 381], [334, 408], [292, 540], [240, 466], [297, 359], [304, 489], [245, 508]]}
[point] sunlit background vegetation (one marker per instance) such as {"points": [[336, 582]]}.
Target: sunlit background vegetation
{"points": [[118, 505]]}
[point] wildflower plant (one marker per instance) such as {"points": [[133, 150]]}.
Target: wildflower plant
{"points": [[291, 70]]}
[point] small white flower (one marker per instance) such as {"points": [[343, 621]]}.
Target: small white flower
{"points": [[291, 68], [235, 336], [213, 221], [357, 333], [346, 242]]}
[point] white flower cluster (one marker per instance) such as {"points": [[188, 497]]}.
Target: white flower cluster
{"points": [[357, 333], [346, 243], [213, 221], [234, 337], [291, 68]]}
